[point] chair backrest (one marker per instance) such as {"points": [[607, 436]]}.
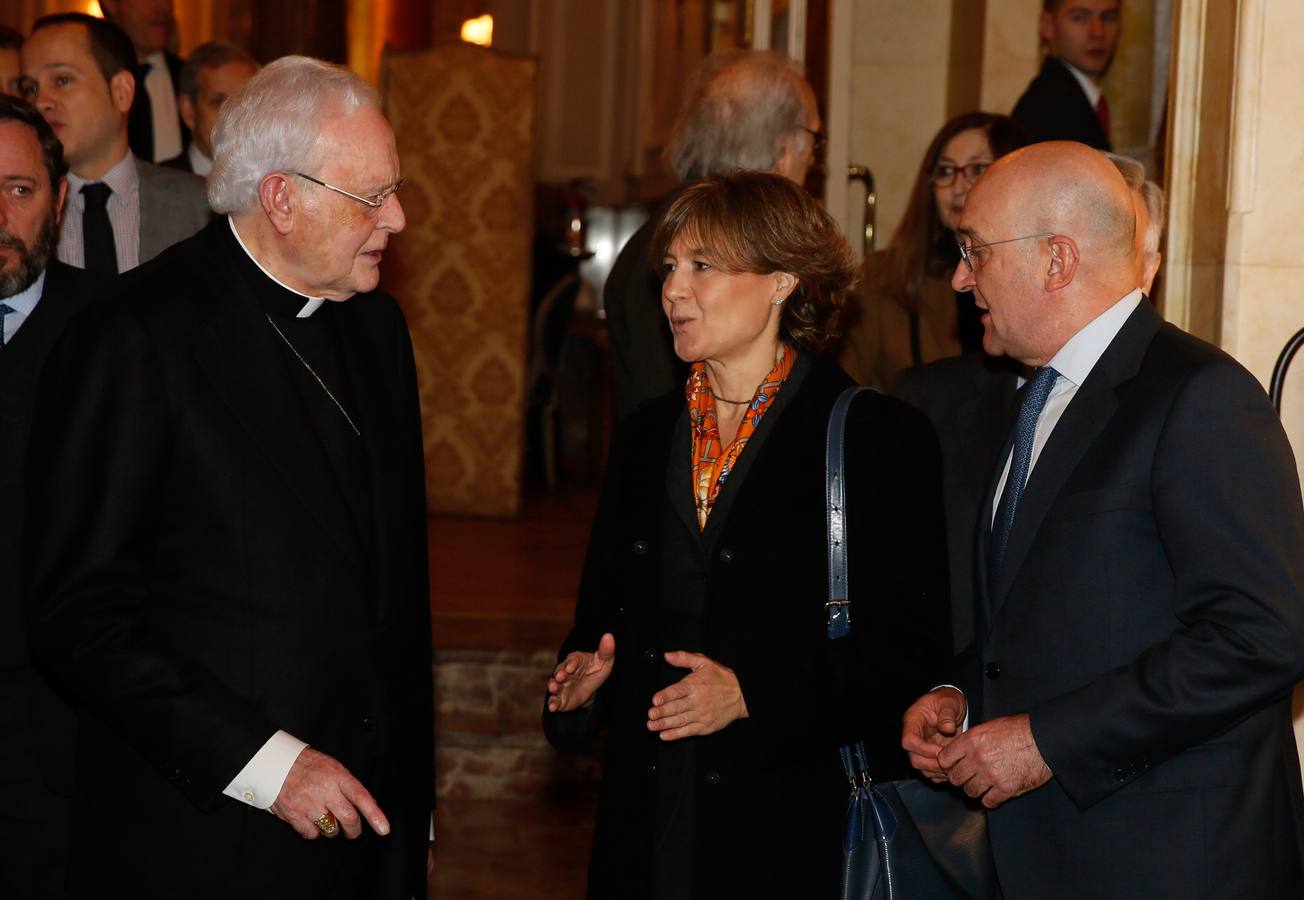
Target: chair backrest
{"points": [[548, 336]]}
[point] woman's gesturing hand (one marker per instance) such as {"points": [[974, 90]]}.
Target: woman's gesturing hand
{"points": [[578, 677], [702, 702]]}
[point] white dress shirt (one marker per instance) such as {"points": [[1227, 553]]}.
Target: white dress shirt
{"points": [[123, 208], [163, 107], [200, 164], [22, 305]]}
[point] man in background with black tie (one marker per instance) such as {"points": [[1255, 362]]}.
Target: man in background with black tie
{"points": [[38, 295], [1065, 101], [1140, 569], [157, 131], [121, 211]]}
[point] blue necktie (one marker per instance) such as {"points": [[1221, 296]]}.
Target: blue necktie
{"points": [[5, 309], [1034, 393]]}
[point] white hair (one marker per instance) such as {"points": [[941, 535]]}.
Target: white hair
{"points": [[740, 108], [1156, 204], [273, 123]]}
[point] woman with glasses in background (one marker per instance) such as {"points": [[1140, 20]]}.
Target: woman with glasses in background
{"points": [[907, 312]]}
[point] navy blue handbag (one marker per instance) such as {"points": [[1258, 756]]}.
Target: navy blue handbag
{"points": [[907, 839]]}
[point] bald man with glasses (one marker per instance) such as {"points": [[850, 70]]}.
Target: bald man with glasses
{"points": [[1140, 572]]}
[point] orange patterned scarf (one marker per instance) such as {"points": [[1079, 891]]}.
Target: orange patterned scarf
{"points": [[711, 462]]}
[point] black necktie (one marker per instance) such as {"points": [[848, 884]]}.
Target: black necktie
{"points": [[1035, 393], [97, 232]]}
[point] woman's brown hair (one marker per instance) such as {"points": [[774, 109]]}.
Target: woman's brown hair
{"points": [[761, 223], [922, 246]]}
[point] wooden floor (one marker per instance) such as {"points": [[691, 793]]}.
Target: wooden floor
{"points": [[499, 584], [500, 850], [510, 586]]}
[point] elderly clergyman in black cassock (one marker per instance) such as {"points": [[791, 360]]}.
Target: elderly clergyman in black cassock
{"points": [[228, 530]]}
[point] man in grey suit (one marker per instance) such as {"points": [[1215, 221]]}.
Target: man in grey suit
{"points": [[121, 211]]}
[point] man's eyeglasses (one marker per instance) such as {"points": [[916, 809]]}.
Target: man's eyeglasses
{"points": [[818, 139], [971, 258], [944, 176], [375, 202]]}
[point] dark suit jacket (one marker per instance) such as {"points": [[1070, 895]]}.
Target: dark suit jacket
{"points": [[173, 206], [1053, 108], [1150, 618], [140, 120], [180, 162], [749, 592], [66, 291], [643, 361], [969, 400], [200, 580]]}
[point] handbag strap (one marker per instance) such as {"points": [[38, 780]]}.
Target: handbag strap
{"points": [[855, 765], [838, 607]]}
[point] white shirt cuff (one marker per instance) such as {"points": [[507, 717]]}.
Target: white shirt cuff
{"points": [[964, 726], [259, 782]]}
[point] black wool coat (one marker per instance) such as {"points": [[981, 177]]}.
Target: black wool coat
{"points": [[755, 809], [202, 577]]}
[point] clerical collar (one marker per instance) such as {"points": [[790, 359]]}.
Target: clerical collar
{"points": [[313, 304]]}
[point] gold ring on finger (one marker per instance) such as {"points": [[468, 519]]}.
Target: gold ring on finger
{"points": [[327, 824]]}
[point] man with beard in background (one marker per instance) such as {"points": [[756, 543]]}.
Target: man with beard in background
{"points": [[38, 295]]}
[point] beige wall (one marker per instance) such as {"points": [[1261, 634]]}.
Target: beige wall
{"points": [[1128, 84], [899, 90], [1011, 51], [1237, 179]]}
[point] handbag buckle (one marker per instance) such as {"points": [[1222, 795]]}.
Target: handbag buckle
{"points": [[837, 617]]}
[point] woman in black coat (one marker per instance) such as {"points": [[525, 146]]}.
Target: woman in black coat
{"points": [[699, 635]]}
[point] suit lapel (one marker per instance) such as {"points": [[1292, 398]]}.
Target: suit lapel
{"points": [[236, 351], [1086, 113], [65, 292], [1081, 424], [1077, 429]]}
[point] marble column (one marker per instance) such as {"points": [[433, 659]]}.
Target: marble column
{"points": [[1237, 181]]}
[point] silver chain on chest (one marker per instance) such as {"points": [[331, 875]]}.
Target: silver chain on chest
{"points": [[313, 373]]}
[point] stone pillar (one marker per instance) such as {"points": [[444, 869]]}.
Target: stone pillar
{"points": [[899, 93], [1011, 52], [1236, 271]]}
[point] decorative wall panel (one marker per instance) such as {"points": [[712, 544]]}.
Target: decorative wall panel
{"points": [[464, 119]]}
